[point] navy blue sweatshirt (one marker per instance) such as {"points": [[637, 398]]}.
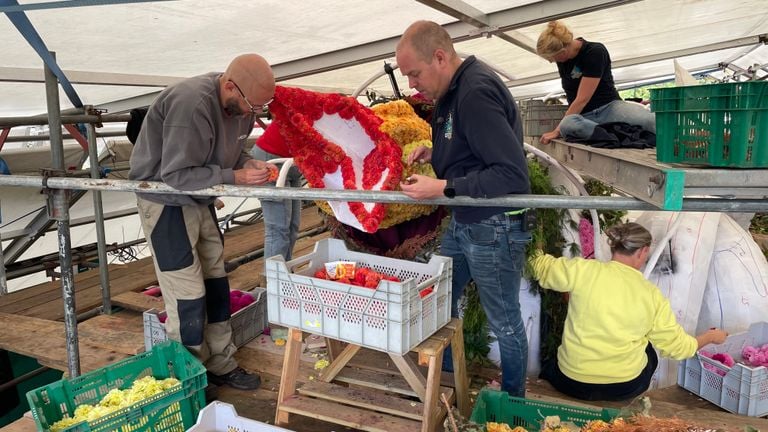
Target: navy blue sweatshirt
{"points": [[477, 139]]}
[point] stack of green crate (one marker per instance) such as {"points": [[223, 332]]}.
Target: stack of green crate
{"points": [[717, 125]]}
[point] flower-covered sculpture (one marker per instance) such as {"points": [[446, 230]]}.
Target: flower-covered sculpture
{"points": [[338, 143]]}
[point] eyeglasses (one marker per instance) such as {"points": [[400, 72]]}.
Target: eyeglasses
{"points": [[254, 109]]}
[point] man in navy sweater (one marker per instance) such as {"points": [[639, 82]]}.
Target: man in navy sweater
{"points": [[478, 152]]}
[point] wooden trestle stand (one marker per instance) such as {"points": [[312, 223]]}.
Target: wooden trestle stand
{"points": [[371, 399]]}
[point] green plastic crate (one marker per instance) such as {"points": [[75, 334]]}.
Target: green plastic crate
{"points": [[500, 407], [718, 125], [172, 410]]}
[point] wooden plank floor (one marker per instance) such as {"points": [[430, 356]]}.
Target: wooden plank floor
{"points": [[263, 356], [31, 318], [44, 300]]}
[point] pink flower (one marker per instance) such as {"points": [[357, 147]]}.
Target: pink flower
{"points": [[724, 358], [755, 357], [719, 357], [586, 238]]}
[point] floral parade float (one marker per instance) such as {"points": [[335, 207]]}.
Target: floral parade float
{"points": [[338, 143]]}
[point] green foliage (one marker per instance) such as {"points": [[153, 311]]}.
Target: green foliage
{"points": [[476, 337], [759, 224], [548, 232], [608, 218], [548, 235], [644, 91]]}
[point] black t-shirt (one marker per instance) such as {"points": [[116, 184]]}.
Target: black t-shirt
{"points": [[592, 61]]}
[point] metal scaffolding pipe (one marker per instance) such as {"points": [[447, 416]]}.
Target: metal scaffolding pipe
{"points": [[3, 277], [98, 211], [27, 376], [67, 119], [532, 201], [25, 138], [58, 208]]}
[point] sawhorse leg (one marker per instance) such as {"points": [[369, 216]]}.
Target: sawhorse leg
{"points": [[432, 393], [461, 384], [289, 373]]}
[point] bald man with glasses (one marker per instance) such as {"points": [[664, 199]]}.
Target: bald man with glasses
{"points": [[194, 137]]}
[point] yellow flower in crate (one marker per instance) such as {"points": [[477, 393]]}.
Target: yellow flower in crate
{"points": [[410, 132], [116, 399]]}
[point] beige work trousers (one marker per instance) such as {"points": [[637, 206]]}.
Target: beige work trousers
{"points": [[188, 253]]}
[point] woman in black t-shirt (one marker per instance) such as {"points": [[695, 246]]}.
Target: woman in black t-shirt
{"points": [[585, 72]]}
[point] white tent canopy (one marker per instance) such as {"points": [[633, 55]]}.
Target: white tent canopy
{"points": [[125, 50]]}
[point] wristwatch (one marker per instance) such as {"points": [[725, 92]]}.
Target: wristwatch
{"points": [[449, 191]]}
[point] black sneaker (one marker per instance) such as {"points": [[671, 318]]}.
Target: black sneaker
{"points": [[239, 378]]}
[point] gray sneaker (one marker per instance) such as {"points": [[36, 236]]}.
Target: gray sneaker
{"points": [[239, 378]]}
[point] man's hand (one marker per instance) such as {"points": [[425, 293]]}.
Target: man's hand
{"points": [[549, 136], [255, 164], [255, 172], [422, 154], [422, 187], [251, 176]]}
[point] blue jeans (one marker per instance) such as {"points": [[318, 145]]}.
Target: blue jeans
{"points": [[492, 253], [581, 126], [281, 217]]}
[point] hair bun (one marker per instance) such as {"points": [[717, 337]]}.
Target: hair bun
{"points": [[615, 236]]}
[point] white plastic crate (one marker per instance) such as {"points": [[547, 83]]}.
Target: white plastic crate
{"points": [[391, 318], [247, 323], [222, 417], [739, 389]]}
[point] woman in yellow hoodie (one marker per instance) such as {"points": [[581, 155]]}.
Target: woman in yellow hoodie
{"points": [[615, 319]]}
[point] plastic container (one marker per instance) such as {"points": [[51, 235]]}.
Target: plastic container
{"points": [[247, 323], [739, 389], [719, 125], [221, 416], [539, 118], [392, 318], [500, 407], [172, 410]]}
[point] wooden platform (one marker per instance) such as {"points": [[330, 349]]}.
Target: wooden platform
{"points": [[637, 173], [31, 317]]}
